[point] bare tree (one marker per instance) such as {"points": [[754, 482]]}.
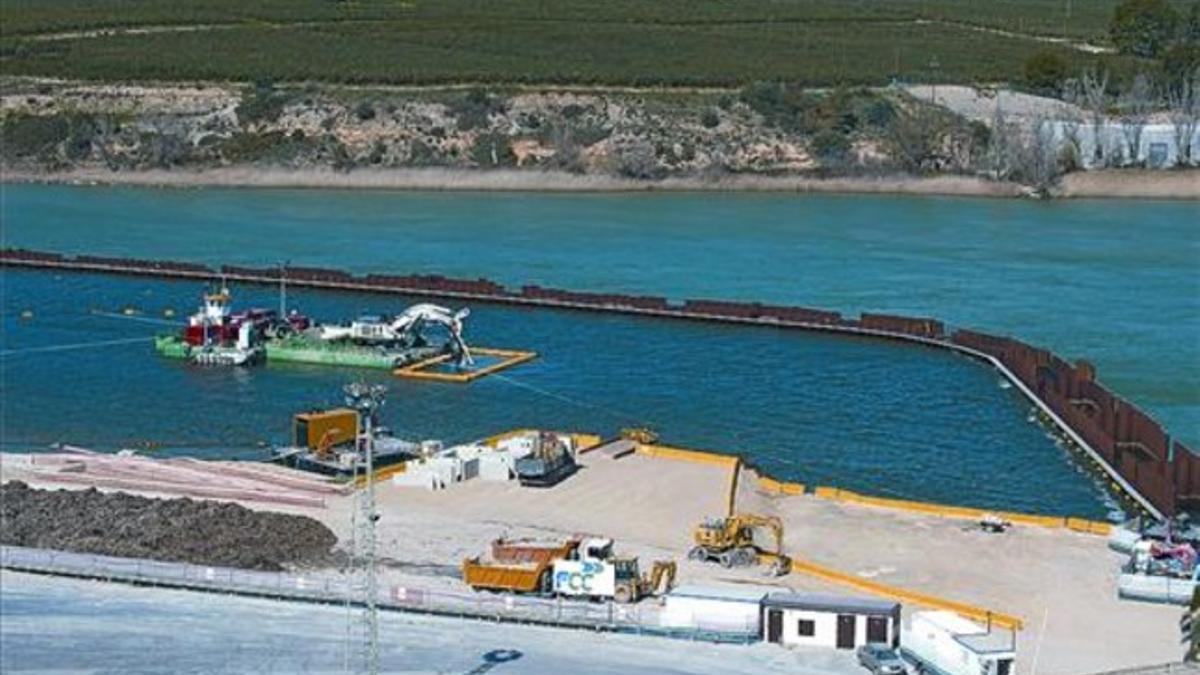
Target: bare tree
{"points": [[916, 137], [1137, 102], [1034, 155], [1184, 112], [1094, 90], [636, 158], [1071, 123], [567, 153]]}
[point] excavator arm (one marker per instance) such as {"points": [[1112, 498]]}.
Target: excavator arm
{"points": [[777, 563], [772, 523], [413, 317]]}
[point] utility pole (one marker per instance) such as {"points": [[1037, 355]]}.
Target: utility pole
{"points": [[283, 290], [1189, 627], [351, 568], [367, 400], [933, 68]]}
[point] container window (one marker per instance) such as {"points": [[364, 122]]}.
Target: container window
{"points": [[806, 627]]}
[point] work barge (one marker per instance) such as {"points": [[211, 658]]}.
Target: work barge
{"points": [[1137, 455]]}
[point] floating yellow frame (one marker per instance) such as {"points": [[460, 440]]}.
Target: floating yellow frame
{"points": [[418, 370]]}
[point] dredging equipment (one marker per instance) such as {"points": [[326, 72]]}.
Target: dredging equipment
{"points": [[216, 335]]}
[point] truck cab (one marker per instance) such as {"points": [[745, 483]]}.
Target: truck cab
{"points": [[595, 572]]}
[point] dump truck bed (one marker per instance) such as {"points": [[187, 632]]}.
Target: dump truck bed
{"points": [[529, 577], [526, 550]]}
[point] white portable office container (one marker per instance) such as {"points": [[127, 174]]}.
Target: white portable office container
{"points": [[953, 645]]}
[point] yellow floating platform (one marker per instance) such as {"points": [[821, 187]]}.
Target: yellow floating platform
{"points": [[423, 370]]}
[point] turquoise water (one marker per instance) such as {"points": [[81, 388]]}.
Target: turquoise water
{"points": [[867, 415], [1115, 282]]}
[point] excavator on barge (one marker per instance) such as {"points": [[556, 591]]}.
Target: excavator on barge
{"points": [[216, 335], [403, 330]]}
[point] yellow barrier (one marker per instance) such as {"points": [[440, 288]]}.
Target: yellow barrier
{"points": [[944, 511], [904, 595], [1089, 526], [780, 488], [583, 442], [418, 370], [696, 456], [382, 474]]}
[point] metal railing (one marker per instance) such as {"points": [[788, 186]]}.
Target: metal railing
{"points": [[333, 588]]}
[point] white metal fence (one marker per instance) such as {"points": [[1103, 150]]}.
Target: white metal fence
{"points": [[333, 588]]}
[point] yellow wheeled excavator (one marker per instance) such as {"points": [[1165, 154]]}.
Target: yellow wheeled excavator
{"points": [[730, 542]]}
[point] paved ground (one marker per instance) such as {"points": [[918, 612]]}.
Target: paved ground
{"points": [[65, 625], [1061, 583]]}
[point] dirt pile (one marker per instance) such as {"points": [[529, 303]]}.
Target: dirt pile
{"points": [[183, 530]]}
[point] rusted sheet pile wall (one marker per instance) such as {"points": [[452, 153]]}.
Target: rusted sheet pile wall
{"points": [[1133, 446]]}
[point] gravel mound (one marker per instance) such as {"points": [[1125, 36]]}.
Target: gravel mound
{"points": [[180, 530]]}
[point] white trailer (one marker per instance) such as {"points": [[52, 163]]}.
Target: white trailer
{"points": [[946, 643], [717, 608]]}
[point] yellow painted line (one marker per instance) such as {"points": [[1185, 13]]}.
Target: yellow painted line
{"points": [[980, 614], [418, 370], [964, 512]]}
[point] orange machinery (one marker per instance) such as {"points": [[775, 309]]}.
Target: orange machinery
{"points": [[321, 430], [519, 567]]}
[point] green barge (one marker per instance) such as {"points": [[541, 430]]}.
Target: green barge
{"points": [[300, 349]]}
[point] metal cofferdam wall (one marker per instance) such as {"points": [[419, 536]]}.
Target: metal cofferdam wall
{"points": [[1133, 449]]}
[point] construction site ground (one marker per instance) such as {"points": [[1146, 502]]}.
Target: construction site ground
{"points": [[1061, 583], [66, 625]]}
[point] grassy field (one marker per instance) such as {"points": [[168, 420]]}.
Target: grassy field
{"points": [[637, 42]]}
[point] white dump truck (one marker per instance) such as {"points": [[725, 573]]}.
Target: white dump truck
{"points": [[595, 572], [946, 643]]}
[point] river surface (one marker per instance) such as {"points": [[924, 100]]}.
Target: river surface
{"points": [[1115, 282]]}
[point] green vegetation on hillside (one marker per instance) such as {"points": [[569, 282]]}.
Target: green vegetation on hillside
{"points": [[1081, 20], [665, 42]]}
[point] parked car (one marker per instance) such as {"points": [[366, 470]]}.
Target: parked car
{"points": [[881, 660]]}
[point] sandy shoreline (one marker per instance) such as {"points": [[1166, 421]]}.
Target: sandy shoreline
{"points": [[502, 180], [1100, 184]]}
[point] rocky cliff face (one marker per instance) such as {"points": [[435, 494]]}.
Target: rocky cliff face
{"points": [[642, 135]]}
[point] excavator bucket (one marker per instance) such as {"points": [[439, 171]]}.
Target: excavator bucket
{"points": [[776, 565], [661, 579]]}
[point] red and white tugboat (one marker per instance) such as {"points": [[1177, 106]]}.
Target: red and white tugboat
{"points": [[215, 335]]}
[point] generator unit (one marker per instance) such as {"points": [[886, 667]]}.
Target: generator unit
{"points": [[324, 429]]}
